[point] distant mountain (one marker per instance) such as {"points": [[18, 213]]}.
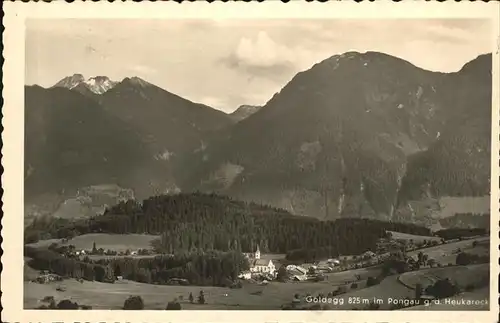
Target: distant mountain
{"points": [[168, 123], [244, 111], [336, 140], [131, 135], [72, 142], [97, 84]]}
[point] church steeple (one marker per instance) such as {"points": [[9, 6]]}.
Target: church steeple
{"points": [[257, 253]]}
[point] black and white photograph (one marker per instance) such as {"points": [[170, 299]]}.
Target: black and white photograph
{"points": [[258, 164]]}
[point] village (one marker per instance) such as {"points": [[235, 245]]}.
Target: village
{"points": [[401, 266]]}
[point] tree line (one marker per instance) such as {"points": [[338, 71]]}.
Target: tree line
{"points": [[45, 259], [194, 221], [214, 268]]}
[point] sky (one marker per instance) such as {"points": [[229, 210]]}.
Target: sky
{"points": [[228, 63]]}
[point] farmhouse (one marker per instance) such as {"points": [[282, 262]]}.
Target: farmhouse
{"points": [[81, 253], [296, 270], [334, 262], [245, 275]]}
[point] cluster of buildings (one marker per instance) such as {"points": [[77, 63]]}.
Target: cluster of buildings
{"points": [[45, 278], [259, 266], [267, 268]]}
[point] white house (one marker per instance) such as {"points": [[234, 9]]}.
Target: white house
{"points": [[245, 275], [298, 269], [334, 262]]}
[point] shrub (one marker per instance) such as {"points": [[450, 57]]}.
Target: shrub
{"points": [[442, 288], [133, 303], [201, 298], [66, 304], [175, 305], [354, 286], [463, 259], [237, 284], [50, 300], [282, 275]]}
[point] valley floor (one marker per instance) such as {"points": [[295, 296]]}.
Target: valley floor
{"points": [[257, 297], [266, 297]]}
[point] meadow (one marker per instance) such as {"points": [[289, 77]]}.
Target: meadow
{"points": [[252, 295], [116, 242]]}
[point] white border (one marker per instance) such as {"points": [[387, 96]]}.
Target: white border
{"points": [[13, 123]]}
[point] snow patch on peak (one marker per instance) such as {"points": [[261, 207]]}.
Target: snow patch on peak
{"points": [[70, 81], [97, 84]]}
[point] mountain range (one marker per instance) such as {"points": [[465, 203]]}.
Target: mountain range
{"points": [[358, 134]]}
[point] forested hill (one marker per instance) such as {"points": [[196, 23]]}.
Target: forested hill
{"points": [[189, 221]]}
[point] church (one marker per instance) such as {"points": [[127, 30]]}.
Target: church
{"points": [[258, 265]]}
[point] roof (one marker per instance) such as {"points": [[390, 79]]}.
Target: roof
{"points": [[261, 262]]}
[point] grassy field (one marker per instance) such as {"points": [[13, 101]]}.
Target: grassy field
{"points": [[479, 294], [452, 205], [272, 297], [388, 288], [111, 296], [118, 242], [415, 238], [445, 253], [391, 287], [462, 275]]}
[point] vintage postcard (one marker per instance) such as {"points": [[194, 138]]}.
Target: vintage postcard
{"points": [[259, 162]]}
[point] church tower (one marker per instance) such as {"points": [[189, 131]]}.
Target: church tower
{"points": [[257, 253]]}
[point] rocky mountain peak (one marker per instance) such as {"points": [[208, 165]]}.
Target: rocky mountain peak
{"points": [[96, 84], [137, 81]]}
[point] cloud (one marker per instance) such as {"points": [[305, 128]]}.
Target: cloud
{"points": [[262, 56], [228, 62], [263, 52]]}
